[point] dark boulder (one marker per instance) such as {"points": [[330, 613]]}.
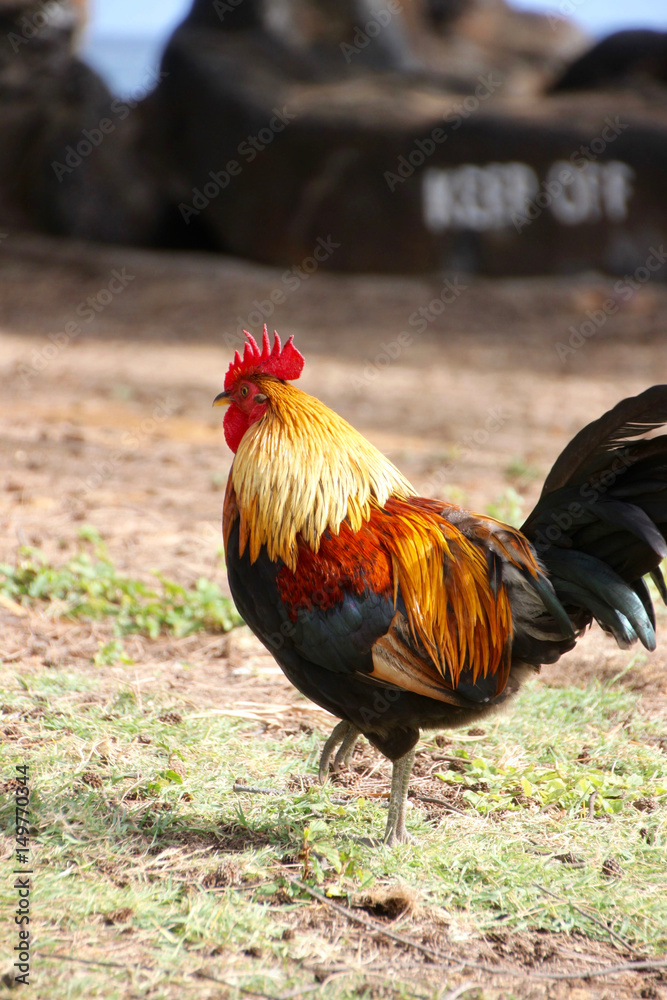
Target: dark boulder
{"points": [[69, 158], [279, 142], [626, 59]]}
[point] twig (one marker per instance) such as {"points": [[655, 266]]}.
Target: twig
{"points": [[367, 974], [92, 961], [589, 916], [150, 968], [266, 713], [459, 991], [370, 924], [438, 802], [259, 791], [13, 606], [283, 791], [233, 986], [450, 760], [300, 990], [606, 970], [497, 970], [591, 805]]}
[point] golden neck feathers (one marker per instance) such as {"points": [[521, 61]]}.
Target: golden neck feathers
{"points": [[302, 470]]}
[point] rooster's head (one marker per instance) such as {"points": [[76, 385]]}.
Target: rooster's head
{"points": [[248, 382]]}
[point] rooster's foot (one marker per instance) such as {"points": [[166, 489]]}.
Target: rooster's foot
{"points": [[347, 735], [395, 832]]}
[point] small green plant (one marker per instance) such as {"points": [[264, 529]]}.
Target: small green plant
{"points": [[110, 653], [318, 846], [508, 507], [323, 854], [141, 834], [89, 586], [519, 469], [572, 789]]}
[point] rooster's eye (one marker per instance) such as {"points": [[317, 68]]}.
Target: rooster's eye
{"points": [[244, 391]]}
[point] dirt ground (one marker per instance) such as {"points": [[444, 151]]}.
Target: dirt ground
{"points": [[113, 426]]}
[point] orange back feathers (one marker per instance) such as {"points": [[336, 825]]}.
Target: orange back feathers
{"points": [[302, 472]]}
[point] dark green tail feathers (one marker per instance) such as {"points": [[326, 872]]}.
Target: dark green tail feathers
{"points": [[600, 525]]}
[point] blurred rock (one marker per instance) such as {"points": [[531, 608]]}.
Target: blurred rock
{"points": [[447, 41], [355, 135], [625, 59], [287, 142], [69, 162], [469, 37]]}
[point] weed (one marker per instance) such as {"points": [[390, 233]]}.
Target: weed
{"points": [[142, 830], [88, 585], [519, 469], [110, 653], [508, 507]]}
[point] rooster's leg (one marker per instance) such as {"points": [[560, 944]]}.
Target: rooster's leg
{"points": [[346, 749], [400, 781], [346, 734]]}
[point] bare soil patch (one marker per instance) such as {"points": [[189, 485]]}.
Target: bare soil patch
{"points": [[116, 430]]}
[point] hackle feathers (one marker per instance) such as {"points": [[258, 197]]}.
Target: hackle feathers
{"points": [[303, 470]]}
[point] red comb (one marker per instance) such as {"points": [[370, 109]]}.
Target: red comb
{"points": [[286, 363]]}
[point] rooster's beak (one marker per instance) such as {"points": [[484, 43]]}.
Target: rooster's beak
{"points": [[222, 399]]}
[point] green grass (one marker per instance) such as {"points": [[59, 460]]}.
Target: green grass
{"points": [[146, 857], [144, 852], [89, 586]]}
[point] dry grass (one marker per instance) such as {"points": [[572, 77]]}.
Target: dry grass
{"points": [[155, 879], [149, 861]]}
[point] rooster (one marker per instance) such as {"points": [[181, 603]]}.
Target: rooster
{"points": [[397, 613]]}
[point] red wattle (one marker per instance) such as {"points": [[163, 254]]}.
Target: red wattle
{"points": [[235, 425]]}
